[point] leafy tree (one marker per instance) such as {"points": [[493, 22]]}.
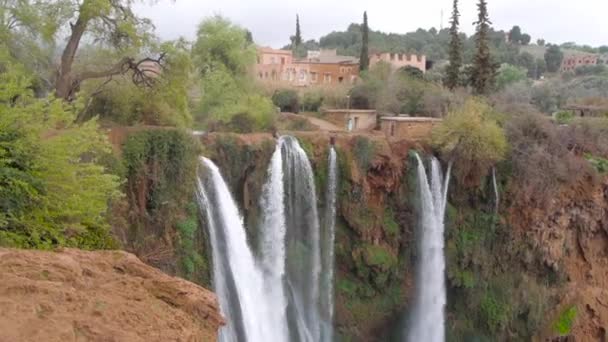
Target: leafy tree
{"points": [[484, 69], [515, 35], [224, 58], [364, 59], [553, 58], [541, 68], [526, 60], [540, 42], [472, 139], [509, 74], [111, 23], [455, 50], [525, 39], [287, 100], [55, 192]]}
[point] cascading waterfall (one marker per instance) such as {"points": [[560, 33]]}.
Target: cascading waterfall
{"points": [[428, 321], [272, 241], [328, 238], [496, 195], [303, 257], [237, 280]]}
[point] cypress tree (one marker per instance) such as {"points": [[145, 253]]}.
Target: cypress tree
{"points": [[455, 50], [484, 69], [298, 37], [364, 59]]}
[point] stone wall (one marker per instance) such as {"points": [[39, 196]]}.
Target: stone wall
{"points": [[408, 128]]}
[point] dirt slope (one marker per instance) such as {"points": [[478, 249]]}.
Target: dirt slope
{"points": [[73, 295]]}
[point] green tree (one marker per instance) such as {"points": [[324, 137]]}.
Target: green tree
{"points": [[224, 59], [472, 139], [54, 190], [364, 59], [540, 42], [553, 58], [455, 50], [515, 35], [484, 69], [525, 39], [111, 23], [509, 74], [297, 38], [541, 68]]}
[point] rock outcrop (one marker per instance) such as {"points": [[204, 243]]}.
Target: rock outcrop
{"points": [[73, 295]]}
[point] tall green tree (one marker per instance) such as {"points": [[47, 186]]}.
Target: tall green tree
{"points": [[297, 40], [455, 50], [515, 35], [364, 59], [553, 57], [483, 73]]}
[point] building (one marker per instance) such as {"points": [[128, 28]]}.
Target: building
{"points": [[571, 62], [318, 68], [399, 60], [352, 120], [588, 110], [414, 128]]}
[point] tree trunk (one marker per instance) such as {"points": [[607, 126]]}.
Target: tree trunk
{"points": [[65, 84]]}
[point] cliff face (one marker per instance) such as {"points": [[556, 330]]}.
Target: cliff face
{"points": [[522, 273], [73, 295]]}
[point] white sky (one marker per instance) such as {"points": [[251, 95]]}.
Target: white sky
{"points": [[273, 21]]}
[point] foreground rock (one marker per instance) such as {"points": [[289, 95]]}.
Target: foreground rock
{"points": [[73, 295]]}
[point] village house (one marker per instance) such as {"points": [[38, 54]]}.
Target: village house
{"points": [[399, 60], [404, 126], [318, 68], [571, 62], [353, 120]]}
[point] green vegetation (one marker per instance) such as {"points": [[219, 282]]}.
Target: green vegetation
{"points": [[483, 72], [472, 139], [287, 100], [193, 265], [364, 58], [363, 151], [565, 321], [599, 163], [222, 55], [564, 117], [509, 74], [55, 191], [455, 51]]}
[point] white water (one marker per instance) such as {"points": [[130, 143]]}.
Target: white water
{"points": [[496, 195], [237, 280], [272, 242], [329, 235], [428, 317]]}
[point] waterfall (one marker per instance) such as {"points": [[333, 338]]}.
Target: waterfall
{"points": [[496, 195], [328, 238], [237, 280], [428, 319], [272, 241]]}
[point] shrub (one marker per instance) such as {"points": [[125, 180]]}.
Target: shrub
{"points": [[564, 117], [287, 100], [565, 321], [363, 150], [312, 101], [471, 139]]}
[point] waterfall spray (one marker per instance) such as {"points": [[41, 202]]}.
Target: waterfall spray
{"points": [[428, 317], [237, 280], [496, 195]]}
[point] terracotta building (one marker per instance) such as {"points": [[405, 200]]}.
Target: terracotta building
{"points": [[319, 67], [399, 60], [571, 62]]}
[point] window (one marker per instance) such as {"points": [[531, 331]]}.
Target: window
{"points": [[282, 60], [313, 76], [400, 56], [356, 122], [392, 56], [302, 75], [327, 78], [392, 124], [260, 75], [340, 79], [266, 74]]}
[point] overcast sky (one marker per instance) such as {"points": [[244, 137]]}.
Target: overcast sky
{"points": [[273, 21]]}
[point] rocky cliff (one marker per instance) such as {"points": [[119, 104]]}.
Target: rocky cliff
{"points": [[516, 272], [74, 295]]}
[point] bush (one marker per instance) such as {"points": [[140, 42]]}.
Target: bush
{"points": [[564, 323], [287, 100], [471, 139], [312, 101], [541, 160], [363, 151], [564, 117]]}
